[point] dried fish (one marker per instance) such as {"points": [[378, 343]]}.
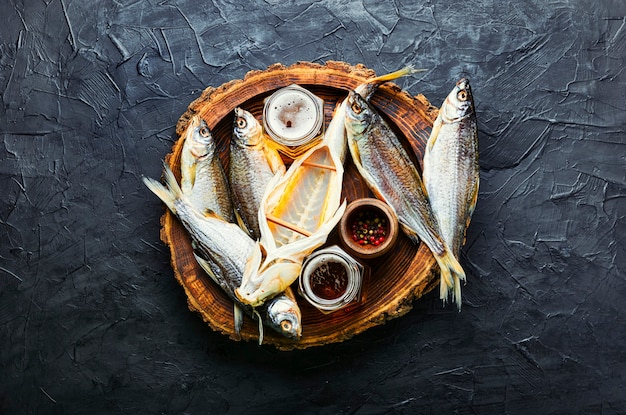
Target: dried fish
{"points": [[253, 164], [451, 172], [225, 252], [389, 172], [203, 179]]}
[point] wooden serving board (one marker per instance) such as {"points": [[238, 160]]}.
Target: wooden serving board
{"points": [[395, 280]]}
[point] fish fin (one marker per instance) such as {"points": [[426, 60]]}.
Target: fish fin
{"points": [[206, 266], [367, 88], [354, 152], [192, 178], [472, 202], [188, 164], [408, 231], [274, 160], [470, 210], [169, 192], [457, 292], [209, 213], [289, 293], [238, 318], [161, 191], [260, 321], [451, 275], [407, 70], [434, 133], [241, 223]]}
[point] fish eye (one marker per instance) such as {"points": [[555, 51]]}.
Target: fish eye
{"points": [[285, 325], [356, 108], [204, 132], [462, 95], [241, 122]]}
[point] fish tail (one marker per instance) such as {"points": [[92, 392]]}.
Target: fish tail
{"points": [[367, 88], [407, 70], [451, 276], [169, 192]]}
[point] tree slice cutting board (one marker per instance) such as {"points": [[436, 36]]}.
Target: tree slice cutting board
{"points": [[394, 280]]}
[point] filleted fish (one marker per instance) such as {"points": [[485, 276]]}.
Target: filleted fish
{"points": [[391, 175], [451, 172], [298, 211], [203, 179], [253, 164], [225, 251]]}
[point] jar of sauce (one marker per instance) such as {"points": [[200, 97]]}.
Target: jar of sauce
{"points": [[331, 279]]}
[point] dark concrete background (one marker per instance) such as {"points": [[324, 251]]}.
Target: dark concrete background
{"points": [[92, 319]]}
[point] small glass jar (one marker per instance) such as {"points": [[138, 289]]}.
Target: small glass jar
{"points": [[331, 279], [293, 117]]}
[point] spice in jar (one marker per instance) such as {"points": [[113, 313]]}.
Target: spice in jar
{"points": [[369, 227]]}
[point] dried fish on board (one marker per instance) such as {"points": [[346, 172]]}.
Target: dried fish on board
{"points": [[253, 164], [225, 251], [389, 172], [451, 172]]}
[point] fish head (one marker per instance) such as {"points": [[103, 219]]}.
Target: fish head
{"points": [[459, 103], [247, 130], [358, 114], [284, 314], [271, 281], [200, 138]]}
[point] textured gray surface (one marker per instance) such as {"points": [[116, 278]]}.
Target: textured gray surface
{"points": [[92, 319]]}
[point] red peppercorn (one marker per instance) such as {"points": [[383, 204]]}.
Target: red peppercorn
{"points": [[369, 227]]}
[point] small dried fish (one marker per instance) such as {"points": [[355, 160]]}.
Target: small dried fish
{"points": [[225, 252], [389, 172], [203, 179], [253, 163], [451, 172]]}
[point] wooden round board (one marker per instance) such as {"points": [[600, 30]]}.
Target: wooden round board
{"points": [[394, 280]]}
